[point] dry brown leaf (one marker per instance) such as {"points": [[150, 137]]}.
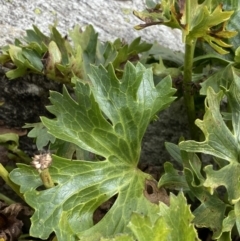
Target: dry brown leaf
{"points": [[154, 194], [10, 225]]}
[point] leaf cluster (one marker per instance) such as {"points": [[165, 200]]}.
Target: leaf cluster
{"points": [[118, 90], [61, 57], [206, 21]]}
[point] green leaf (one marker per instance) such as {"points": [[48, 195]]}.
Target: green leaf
{"points": [[126, 104], [173, 223], [229, 4], [137, 47], [210, 213], [11, 142], [223, 144], [108, 118], [36, 36], [106, 53], [15, 73], [228, 224], [233, 24], [24, 59], [55, 57], [176, 57], [32, 36], [230, 171], [34, 60], [18, 59], [174, 151], [144, 229], [237, 55], [123, 237], [173, 179], [61, 59], [87, 40], [39, 132], [80, 188], [118, 237], [151, 3], [121, 57], [234, 101], [219, 140], [237, 215], [206, 21], [4, 56], [202, 22], [125, 52], [61, 44], [71, 151], [226, 177], [222, 78]]}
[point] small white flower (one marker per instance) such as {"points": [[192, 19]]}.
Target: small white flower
{"points": [[42, 161]]}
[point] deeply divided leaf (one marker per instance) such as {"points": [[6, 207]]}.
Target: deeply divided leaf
{"points": [[108, 118], [222, 142], [219, 142]]}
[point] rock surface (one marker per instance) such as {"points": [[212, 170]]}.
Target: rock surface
{"points": [[111, 19]]}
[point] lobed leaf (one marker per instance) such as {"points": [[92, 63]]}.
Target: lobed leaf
{"points": [[108, 118], [228, 224], [10, 140], [173, 179], [222, 78], [205, 21], [219, 140], [173, 223], [211, 212], [128, 105], [233, 25], [39, 132], [223, 144]]}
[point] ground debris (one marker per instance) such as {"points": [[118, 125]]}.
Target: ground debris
{"points": [[10, 225]]}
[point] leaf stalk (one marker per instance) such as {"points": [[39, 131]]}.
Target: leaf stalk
{"points": [[46, 178], [4, 174], [187, 88]]}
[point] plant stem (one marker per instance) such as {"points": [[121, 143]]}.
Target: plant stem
{"points": [[187, 88], [5, 176], [46, 178], [187, 10], [6, 199]]}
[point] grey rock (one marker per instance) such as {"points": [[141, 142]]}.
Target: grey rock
{"points": [[112, 19]]}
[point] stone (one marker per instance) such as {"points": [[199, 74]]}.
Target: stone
{"points": [[112, 19]]}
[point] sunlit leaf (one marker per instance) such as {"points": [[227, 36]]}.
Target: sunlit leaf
{"points": [[220, 141], [206, 21]]}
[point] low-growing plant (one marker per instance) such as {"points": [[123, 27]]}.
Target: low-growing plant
{"points": [[118, 89]]}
